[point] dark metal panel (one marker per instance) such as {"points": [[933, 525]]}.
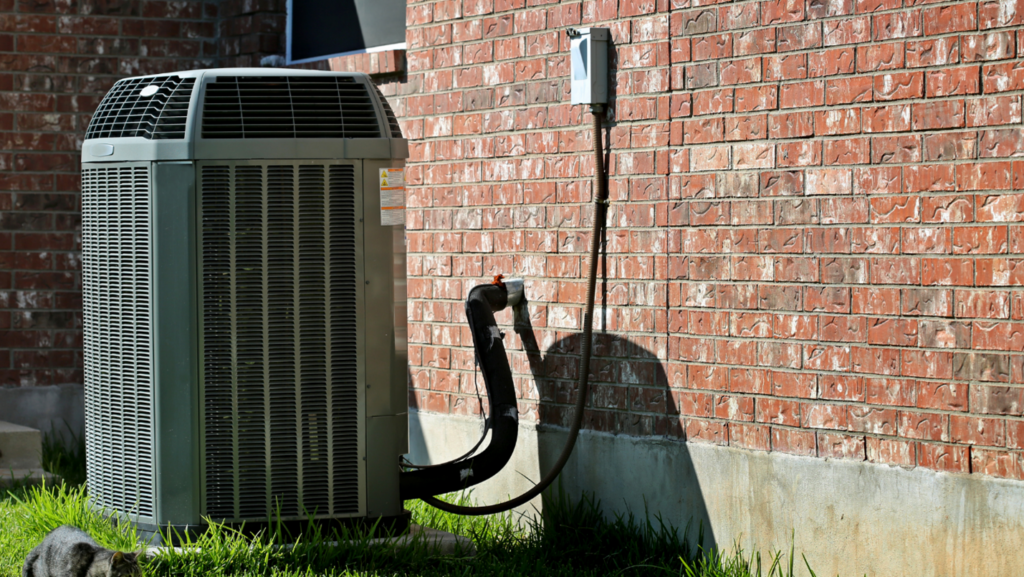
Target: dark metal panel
{"points": [[390, 438], [319, 29], [176, 334]]}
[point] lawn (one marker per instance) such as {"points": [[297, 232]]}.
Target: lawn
{"points": [[573, 539]]}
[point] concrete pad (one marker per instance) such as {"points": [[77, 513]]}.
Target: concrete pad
{"points": [[32, 477], [20, 447], [445, 543]]}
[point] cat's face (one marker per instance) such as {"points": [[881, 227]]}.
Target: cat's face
{"points": [[124, 565]]}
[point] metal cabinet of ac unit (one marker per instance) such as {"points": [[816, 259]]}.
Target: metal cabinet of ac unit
{"points": [[244, 293]]}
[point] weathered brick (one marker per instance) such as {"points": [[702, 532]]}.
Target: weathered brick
{"points": [[996, 463], [891, 452], [977, 431], [793, 441], [942, 396], [950, 458], [981, 367], [838, 446], [996, 400], [956, 18]]}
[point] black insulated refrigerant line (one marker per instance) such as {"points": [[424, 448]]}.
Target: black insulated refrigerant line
{"points": [[481, 304]]}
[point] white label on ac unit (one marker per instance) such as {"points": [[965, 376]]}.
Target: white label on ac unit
{"points": [[392, 196]]}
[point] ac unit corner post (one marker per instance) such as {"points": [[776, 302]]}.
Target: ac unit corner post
{"points": [[244, 299]]}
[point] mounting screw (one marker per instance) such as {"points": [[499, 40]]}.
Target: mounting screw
{"points": [[367, 282]]}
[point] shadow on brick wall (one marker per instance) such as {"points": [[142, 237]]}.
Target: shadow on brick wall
{"points": [[630, 454]]}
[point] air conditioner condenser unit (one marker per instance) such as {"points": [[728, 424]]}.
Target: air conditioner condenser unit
{"points": [[243, 266]]}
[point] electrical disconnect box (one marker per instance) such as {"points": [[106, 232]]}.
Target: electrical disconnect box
{"points": [[589, 48]]}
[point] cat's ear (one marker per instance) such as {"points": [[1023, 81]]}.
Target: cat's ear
{"points": [[117, 559]]}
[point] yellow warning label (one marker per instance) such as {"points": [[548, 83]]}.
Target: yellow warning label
{"points": [[392, 196], [392, 178]]}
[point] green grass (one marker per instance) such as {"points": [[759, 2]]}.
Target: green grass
{"points": [[575, 538]]}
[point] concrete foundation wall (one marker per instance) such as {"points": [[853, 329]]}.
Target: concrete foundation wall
{"points": [[849, 518], [44, 408]]}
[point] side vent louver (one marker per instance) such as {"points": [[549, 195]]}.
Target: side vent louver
{"points": [[288, 107], [116, 283], [126, 112], [396, 129]]}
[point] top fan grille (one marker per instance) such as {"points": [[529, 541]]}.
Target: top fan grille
{"points": [[154, 108], [288, 107]]}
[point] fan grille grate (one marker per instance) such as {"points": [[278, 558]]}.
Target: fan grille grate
{"points": [[288, 107], [117, 342], [124, 112], [280, 396]]}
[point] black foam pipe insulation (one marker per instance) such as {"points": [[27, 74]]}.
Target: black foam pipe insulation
{"points": [[481, 304]]}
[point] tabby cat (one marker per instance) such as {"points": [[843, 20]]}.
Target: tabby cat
{"points": [[70, 552]]}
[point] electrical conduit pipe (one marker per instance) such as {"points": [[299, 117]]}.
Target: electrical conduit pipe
{"points": [[481, 304]]}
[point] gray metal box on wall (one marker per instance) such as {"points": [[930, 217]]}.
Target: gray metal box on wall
{"points": [[588, 60], [240, 286]]}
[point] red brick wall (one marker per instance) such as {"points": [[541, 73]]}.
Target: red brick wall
{"points": [[814, 243], [249, 30], [57, 60], [813, 248]]}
